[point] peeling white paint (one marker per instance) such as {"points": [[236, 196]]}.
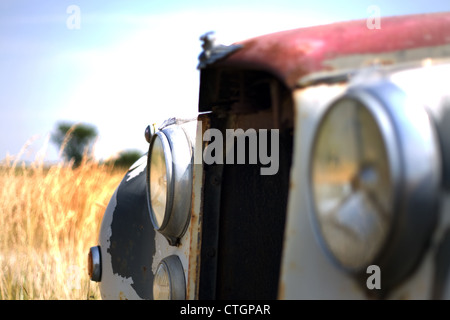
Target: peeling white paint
{"points": [[138, 167], [112, 285]]}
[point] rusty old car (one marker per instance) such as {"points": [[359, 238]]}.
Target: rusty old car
{"points": [[318, 167]]}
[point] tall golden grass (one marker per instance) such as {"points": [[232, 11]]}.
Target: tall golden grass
{"points": [[49, 218]]}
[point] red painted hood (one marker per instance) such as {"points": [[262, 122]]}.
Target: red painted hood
{"points": [[293, 54]]}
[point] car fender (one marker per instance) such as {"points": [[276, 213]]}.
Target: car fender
{"points": [[127, 239]]}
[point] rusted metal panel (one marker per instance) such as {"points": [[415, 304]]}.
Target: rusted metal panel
{"points": [[293, 54], [195, 226]]}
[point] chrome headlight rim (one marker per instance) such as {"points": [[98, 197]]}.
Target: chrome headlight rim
{"points": [[178, 156], [173, 269], [400, 121], [169, 178]]}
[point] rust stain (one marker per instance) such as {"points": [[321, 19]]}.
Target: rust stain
{"points": [[195, 222], [291, 185], [122, 296], [404, 296], [282, 291]]}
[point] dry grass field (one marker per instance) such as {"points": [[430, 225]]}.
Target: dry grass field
{"points": [[49, 218]]}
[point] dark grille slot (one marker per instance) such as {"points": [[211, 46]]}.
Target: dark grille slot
{"points": [[252, 219]]}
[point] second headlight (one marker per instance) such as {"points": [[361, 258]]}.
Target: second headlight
{"points": [[169, 282], [374, 179], [352, 183]]}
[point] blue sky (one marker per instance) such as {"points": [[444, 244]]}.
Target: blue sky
{"points": [[131, 63]]}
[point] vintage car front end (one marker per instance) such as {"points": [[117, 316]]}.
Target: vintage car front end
{"points": [[317, 168]]}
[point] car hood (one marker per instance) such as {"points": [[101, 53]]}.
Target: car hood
{"points": [[294, 55]]}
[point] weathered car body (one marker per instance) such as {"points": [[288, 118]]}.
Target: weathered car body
{"points": [[251, 227]]}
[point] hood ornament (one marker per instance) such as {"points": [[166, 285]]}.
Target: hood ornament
{"points": [[213, 52]]}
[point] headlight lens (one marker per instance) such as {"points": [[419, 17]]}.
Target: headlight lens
{"points": [[169, 182], [374, 175], [159, 176], [161, 283], [351, 184], [169, 281]]}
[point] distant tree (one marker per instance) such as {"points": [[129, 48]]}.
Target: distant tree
{"points": [[74, 140], [126, 158]]}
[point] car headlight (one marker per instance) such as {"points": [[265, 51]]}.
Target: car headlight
{"points": [[169, 182], [352, 183], [169, 282], [374, 179]]}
